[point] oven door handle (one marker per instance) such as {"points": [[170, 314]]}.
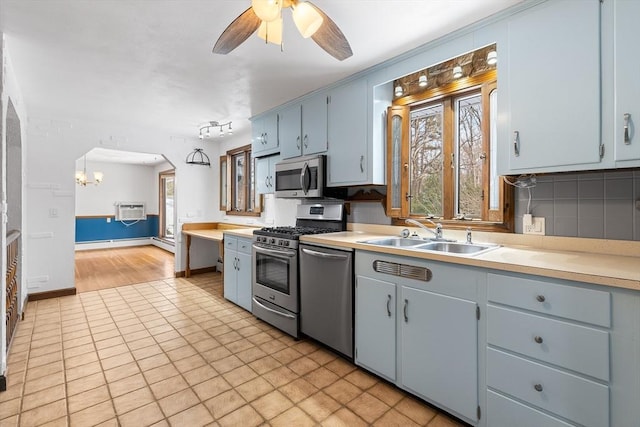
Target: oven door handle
{"points": [[322, 254], [279, 254], [288, 316]]}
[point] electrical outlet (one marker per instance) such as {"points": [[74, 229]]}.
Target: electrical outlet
{"points": [[534, 225]]}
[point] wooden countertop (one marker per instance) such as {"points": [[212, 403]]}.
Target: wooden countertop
{"points": [[608, 269]]}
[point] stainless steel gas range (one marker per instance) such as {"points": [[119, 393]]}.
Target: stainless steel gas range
{"points": [[276, 298]]}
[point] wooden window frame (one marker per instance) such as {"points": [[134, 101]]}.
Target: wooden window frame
{"points": [[162, 220], [501, 220], [249, 172]]}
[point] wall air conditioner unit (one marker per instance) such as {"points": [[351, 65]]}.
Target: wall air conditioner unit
{"points": [[130, 211]]}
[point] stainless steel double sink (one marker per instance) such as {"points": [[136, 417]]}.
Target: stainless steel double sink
{"points": [[439, 246]]}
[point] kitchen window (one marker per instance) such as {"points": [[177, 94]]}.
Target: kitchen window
{"points": [[441, 162], [237, 186]]}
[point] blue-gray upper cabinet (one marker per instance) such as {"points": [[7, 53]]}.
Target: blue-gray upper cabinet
{"points": [[264, 135], [627, 82], [348, 159], [265, 168], [303, 127], [553, 83]]}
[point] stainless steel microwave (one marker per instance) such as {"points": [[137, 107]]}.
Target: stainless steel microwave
{"points": [[301, 177]]}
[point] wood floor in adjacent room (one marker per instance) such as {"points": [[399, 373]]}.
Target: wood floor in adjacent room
{"points": [[108, 268]]}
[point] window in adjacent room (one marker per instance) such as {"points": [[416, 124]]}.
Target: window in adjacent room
{"points": [[167, 185]]}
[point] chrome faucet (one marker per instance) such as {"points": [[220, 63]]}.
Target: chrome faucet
{"points": [[437, 233]]}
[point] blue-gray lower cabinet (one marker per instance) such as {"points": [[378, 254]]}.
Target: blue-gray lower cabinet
{"points": [[416, 325], [439, 349], [237, 270], [548, 352], [375, 331]]}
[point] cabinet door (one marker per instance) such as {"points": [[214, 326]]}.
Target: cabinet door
{"points": [[271, 143], [314, 124], [230, 275], [375, 326], [440, 349], [627, 80], [244, 281], [264, 135], [553, 75], [290, 124], [347, 134]]}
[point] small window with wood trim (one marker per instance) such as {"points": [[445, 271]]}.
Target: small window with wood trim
{"points": [[237, 183], [440, 154]]}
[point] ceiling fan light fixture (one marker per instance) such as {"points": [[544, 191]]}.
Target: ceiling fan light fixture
{"points": [[307, 19], [271, 31], [266, 10], [492, 57]]}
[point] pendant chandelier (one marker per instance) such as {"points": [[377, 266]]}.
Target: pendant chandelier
{"points": [[82, 177]]}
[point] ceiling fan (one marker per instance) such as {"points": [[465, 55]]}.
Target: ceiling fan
{"points": [[266, 17]]}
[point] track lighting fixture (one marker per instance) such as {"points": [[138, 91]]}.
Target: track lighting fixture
{"points": [[205, 129]]}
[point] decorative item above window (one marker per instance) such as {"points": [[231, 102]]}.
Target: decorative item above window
{"points": [[468, 65], [82, 177], [198, 157], [266, 17], [205, 129]]}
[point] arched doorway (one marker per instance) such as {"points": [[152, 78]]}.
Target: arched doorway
{"points": [[118, 209]]}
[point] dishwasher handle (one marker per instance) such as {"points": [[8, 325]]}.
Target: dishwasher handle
{"points": [[323, 254], [279, 313]]}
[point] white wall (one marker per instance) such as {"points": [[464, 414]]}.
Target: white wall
{"points": [[122, 183], [11, 90], [54, 146]]}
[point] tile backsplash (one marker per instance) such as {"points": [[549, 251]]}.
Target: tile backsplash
{"points": [[602, 205]]}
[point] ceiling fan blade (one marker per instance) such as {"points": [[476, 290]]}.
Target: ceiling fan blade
{"points": [[330, 38], [237, 32]]}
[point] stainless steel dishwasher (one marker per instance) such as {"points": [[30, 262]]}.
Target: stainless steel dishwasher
{"points": [[326, 296]]}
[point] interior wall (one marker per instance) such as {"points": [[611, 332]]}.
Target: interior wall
{"points": [[10, 93], [54, 146], [122, 183]]}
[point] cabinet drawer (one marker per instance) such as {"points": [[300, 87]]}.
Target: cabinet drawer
{"points": [[584, 305], [575, 347], [570, 396], [505, 412], [230, 243], [244, 246]]}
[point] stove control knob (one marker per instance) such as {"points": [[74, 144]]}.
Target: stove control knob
{"points": [[286, 243], [280, 242], [272, 241]]}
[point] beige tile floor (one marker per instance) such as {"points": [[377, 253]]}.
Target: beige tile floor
{"points": [[174, 352]]}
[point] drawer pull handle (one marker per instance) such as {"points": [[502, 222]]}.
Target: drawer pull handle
{"points": [[538, 339], [541, 298], [389, 305], [538, 387], [404, 310]]}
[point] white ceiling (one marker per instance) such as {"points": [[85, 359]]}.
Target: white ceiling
{"points": [[149, 62]]}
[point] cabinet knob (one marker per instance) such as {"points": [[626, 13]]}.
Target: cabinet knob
{"points": [[541, 298], [538, 339], [538, 387]]}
